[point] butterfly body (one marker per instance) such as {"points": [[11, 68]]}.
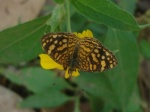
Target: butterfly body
{"points": [[73, 60]]}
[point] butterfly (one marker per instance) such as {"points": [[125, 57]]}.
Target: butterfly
{"points": [[85, 54]]}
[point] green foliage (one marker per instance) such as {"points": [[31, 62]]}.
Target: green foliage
{"points": [[36, 79], [57, 17], [45, 84], [109, 91], [107, 13], [59, 1], [125, 76], [115, 86], [145, 48], [128, 5], [22, 42], [50, 98], [134, 103]]}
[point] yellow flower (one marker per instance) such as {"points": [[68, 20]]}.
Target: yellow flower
{"points": [[48, 63], [86, 33]]}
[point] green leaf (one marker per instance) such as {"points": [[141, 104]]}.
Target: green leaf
{"points": [[105, 12], [59, 1], [96, 85], [22, 42], [145, 48], [50, 98], [57, 17], [134, 104], [128, 5], [36, 79], [123, 78], [96, 104], [83, 24]]}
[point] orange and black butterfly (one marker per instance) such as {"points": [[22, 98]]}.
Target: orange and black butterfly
{"points": [[85, 54]]}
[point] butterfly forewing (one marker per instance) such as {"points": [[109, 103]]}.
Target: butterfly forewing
{"points": [[59, 46], [92, 56]]}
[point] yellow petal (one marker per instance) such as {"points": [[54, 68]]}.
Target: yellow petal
{"points": [[75, 33], [85, 33], [89, 33], [48, 63], [74, 73], [79, 35], [66, 74]]}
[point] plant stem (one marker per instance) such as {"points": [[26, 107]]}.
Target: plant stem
{"points": [[68, 16], [77, 104]]}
